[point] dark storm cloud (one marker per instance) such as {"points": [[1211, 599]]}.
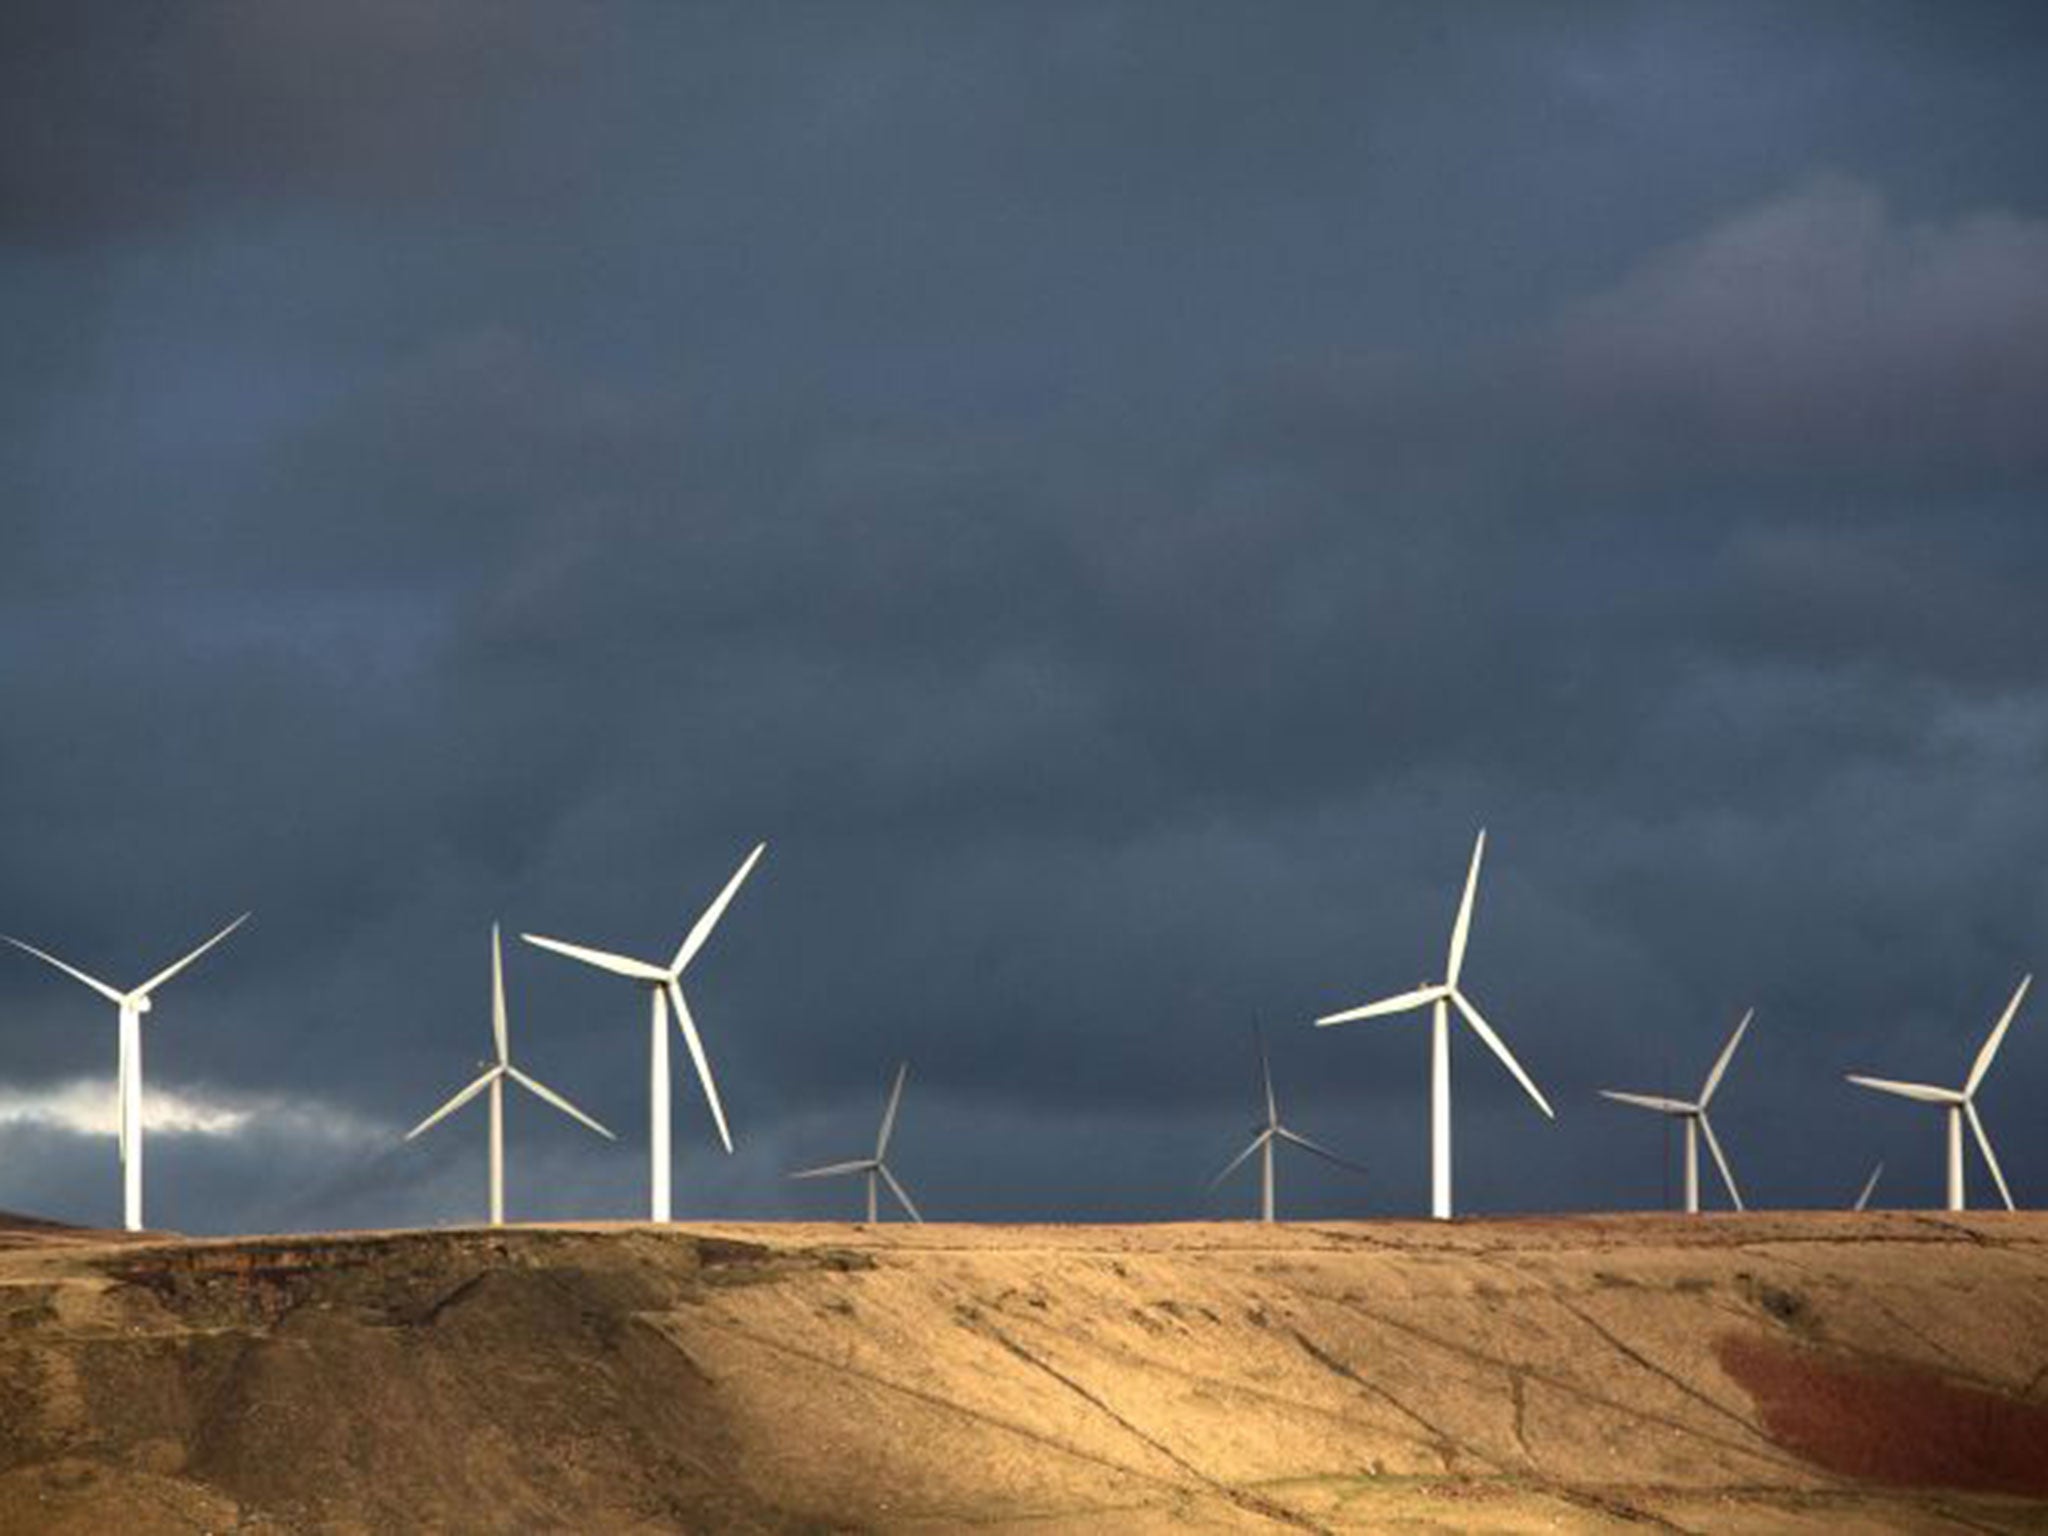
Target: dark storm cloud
{"points": [[123, 119], [1115, 504]]}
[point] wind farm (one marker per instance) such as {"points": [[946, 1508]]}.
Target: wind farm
{"points": [[1391, 654], [765, 1338]]}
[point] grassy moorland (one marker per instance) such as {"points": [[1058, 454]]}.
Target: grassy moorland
{"points": [[1771, 1372]]}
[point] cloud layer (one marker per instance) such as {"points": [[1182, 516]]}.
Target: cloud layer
{"points": [[1115, 506]]}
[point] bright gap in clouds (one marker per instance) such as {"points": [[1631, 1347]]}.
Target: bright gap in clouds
{"points": [[87, 1107]]}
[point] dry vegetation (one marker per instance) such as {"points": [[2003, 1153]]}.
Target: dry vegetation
{"points": [[1729, 1374]]}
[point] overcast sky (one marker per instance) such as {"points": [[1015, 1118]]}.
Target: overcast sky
{"points": [[1114, 495]]}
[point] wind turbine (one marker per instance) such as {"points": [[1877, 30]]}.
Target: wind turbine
{"points": [[1262, 1143], [664, 985], [1694, 1114], [1961, 1104], [493, 1077], [1440, 998], [128, 1080], [873, 1167], [1869, 1188]]}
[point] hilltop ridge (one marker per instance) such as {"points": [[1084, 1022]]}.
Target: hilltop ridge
{"points": [[1768, 1372]]}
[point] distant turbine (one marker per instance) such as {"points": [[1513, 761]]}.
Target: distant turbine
{"points": [[1696, 1122], [664, 983], [128, 1078], [1961, 1104], [873, 1167], [1441, 997], [1263, 1139], [1869, 1189], [493, 1077]]}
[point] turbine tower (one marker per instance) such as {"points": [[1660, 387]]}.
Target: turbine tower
{"points": [[494, 1077], [128, 1078], [1440, 998], [1961, 1104], [1694, 1114], [874, 1167], [1264, 1137], [664, 984]]}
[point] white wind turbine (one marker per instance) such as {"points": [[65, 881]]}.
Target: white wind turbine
{"points": [[1440, 998], [1869, 1188], [493, 1077], [128, 1081], [664, 985], [1694, 1114], [1266, 1135], [874, 1167], [1961, 1104]]}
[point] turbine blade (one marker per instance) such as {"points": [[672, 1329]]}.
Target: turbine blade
{"points": [[542, 1090], [121, 1097], [1400, 1003], [1319, 1149], [618, 965], [1650, 1101], [834, 1170], [1721, 1162], [1721, 1062], [899, 1192], [1925, 1093], [1461, 930], [1990, 1157], [889, 1114], [688, 1026], [701, 931], [176, 966], [1500, 1049], [498, 998], [1231, 1167], [72, 971], [1869, 1188], [454, 1104], [1997, 1035]]}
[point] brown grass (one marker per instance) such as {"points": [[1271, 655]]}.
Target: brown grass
{"points": [[1765, 1373]]}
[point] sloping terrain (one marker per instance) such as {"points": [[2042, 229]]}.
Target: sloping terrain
{"points": [[1727, 1374]]}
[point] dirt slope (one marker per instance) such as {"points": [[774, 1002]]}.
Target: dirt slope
{"points": [[1759, 1373]]}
